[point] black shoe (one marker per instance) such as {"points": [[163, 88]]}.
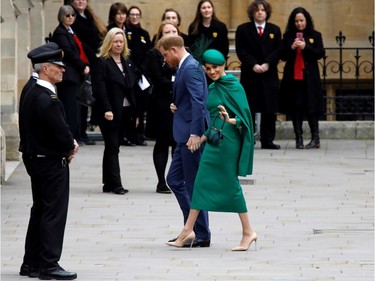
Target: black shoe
{"points": [[30, 271], [270, 145], [198, 243], [88, 141], [127, 142], [57, 273], [120, 190], [141, 143], [163, 188], [107, 189], [313, 144]]}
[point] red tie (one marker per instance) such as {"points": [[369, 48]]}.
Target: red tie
{"points": [[260, 31]]}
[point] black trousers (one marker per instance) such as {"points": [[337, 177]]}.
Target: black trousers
{"points": [[50, 191], [267, 127], [113, 134]]}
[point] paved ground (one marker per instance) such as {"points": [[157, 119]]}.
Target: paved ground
{"points": [[313, 211]]}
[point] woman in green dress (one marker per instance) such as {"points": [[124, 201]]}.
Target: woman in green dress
{"points": [[217, 186]]}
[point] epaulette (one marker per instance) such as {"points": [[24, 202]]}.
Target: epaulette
{"points": [[54, 96]]}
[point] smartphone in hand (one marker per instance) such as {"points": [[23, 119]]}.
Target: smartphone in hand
{"points": [[299, 36]]}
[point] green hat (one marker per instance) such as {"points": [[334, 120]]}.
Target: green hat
{"points": [[214, 57]]}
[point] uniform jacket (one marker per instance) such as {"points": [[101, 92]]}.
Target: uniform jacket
{"points": [[313, 52], [261, 89], [216, 33], [74, 65], [42, 125], [139, 43], [110, 87], [190, 95]]}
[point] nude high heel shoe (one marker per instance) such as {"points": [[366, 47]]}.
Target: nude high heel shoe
{"points": [[253, 237], [180, 244]]}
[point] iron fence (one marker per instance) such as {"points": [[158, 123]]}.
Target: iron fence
{"points": [[347, 80]]}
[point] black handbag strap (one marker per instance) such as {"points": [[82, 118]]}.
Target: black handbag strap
{"points": [[222, 125]]}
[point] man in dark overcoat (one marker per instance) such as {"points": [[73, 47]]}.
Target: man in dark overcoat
{"points": [[258, 47]]}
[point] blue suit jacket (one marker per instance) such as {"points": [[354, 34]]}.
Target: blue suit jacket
{"points": [[190, 94]]}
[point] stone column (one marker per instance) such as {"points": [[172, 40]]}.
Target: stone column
{"points": [[8, 69]]}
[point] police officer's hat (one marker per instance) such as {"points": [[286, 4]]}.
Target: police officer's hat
{"points": [[49, 52]]}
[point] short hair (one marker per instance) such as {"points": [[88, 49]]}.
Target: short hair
{"points": [[114, 9], [168, 42], [63, 11], [253, 7], [104, 50], [174, 11]]}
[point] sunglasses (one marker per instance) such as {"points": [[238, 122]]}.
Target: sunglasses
{"points": [[70, 15]]}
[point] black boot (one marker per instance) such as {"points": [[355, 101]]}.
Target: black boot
{"points": [[297, 125], [314, 128]]}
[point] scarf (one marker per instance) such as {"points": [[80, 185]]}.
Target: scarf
{"points": [[299, 65], [82, 54]]}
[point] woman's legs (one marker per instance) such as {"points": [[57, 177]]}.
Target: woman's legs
{"points": [[189, 225], [248, 235]]}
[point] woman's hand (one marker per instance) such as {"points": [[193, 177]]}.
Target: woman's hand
{"points": [[224, 115], [86, 70], [108, 115]]}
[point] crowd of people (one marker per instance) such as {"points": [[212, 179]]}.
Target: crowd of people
{"points": [[188, 91]]}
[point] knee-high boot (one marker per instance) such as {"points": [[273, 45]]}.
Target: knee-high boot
{"points": [[298, 132], [314, 128]]}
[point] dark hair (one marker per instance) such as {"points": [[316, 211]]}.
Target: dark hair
{"points": [[128, 18], [291, 26], [194, 26], [254, 6], [171, 10], [114, 9]]}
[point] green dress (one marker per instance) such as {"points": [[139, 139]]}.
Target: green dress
{"points": [[217, 186]]}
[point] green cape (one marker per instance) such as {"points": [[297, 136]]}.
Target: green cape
{"points": [[234, 97]]}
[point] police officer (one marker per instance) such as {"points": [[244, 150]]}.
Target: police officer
{"points": [[47, 147]]}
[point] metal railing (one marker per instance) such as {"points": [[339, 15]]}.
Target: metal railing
{"points": [[347, 80]]}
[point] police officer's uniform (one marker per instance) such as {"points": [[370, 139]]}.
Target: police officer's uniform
{"points": [[46, 143]]}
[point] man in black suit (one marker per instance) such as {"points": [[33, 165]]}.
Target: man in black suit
{"points": [[47, 147], [258, 47]]}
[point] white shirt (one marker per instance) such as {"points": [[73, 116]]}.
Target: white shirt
{"points": [[262, 25], [46, 84]]}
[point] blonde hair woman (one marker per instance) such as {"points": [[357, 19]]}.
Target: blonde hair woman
{"points": [[113, 86]]}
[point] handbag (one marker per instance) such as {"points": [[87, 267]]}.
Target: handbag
{"points": [[85, 95], [215, 135]]}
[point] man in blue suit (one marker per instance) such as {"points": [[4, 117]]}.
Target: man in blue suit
{"points": [[190, 121]]}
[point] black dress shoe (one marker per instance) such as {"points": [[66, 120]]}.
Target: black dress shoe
{"points": [[107, 189], [141, 143], [270, 145], [120, 190], [127, 142], [57, 273], [88, 141], [198, 243], [163, 188], [30, 271]]}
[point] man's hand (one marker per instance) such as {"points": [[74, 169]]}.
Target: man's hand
{"points": [[73, 152], [173, 107], [194, 143]]}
